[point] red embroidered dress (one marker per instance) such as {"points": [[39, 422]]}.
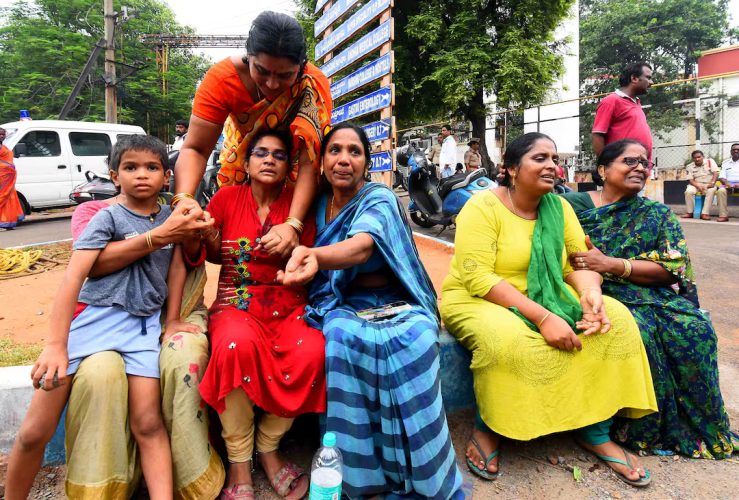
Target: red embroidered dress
{"points": [[258, 338]]}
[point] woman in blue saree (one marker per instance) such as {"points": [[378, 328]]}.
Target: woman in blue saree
{"points": [[382, 376], [639, 247]]}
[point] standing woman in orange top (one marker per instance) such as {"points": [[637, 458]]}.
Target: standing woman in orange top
{"points": [[11, 211], [272, 87]]}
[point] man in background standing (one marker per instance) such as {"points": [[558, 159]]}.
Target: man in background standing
{"points": [[702, 175], [448, 156], [620, 115], [473, 158], [181, 127], [435, 151]]}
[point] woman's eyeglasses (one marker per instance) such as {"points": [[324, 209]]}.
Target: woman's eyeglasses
{"points": [[263, 153], [633, 162]]}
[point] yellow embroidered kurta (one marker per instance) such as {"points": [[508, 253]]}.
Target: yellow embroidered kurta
{"points": [[524, 387]]}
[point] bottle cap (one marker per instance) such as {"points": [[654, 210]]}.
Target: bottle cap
{"points": [[329, 439]]}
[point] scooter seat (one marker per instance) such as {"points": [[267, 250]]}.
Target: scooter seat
{"points": [[448, 184]]}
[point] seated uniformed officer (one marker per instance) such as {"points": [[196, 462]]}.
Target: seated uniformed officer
{"points": [[702, 176]]}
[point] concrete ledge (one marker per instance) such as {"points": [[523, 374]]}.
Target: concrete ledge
{"points": [[456, 377], [16, 392]]}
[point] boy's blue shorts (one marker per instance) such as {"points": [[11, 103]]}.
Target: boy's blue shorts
{"points": [[97, 329]]}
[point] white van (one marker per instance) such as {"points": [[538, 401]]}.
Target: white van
{"points": [[52, 156]]}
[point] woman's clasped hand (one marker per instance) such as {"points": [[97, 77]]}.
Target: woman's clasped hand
{"points": [[300, 269]]}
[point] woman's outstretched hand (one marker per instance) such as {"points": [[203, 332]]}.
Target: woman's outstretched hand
{"points": [[280, 240], [594, 317], [558, 334], [300, 269]]}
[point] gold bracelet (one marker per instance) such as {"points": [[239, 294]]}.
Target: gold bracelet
{"points": [[218, 233], [589, 288], [179, 197], [295, 224], [543, 319], [148, 240], [627, 269]]}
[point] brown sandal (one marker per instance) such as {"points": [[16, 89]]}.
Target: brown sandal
{"points": [[238, 492], [286, 480]]}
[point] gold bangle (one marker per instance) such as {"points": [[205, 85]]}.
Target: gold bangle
{"points": [[295, 224], [214, 238], [589, 288], [543, 319], [148, 240], [179, 197], [627, 269]]}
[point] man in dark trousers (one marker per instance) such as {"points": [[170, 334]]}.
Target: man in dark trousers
{"points": [[620, 115]]}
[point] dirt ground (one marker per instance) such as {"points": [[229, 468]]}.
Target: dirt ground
{"points": [[714, 249]]}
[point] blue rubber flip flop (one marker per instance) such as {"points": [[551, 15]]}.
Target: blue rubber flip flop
{"points": [[639, 483], [485, 473]]}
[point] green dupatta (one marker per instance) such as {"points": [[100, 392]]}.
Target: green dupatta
{"points": [[545, 282]]}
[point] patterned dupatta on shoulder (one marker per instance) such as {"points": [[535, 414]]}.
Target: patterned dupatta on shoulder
{"points": [[641, 229], [304, 111]]}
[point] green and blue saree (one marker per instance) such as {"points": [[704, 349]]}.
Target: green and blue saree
{"points": [[680, 340]]}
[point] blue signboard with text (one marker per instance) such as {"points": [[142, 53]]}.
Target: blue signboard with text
{"points": [[338, 9], [381, 162], [377, 100], [378, 68], [371, 10], [378, 131], [365, 45], [320, 4]]}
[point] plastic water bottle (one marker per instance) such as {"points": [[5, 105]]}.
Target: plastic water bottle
{"points": [[326, 471]]}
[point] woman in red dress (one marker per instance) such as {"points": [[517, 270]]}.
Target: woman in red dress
{"points": [[263, 352]]}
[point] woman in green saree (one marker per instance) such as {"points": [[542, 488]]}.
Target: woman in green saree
{"points": [[639, 248]]}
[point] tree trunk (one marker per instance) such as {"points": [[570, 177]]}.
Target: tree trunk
{"points": [[476, 116]]}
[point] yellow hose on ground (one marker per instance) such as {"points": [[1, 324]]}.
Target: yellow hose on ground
{"points": [[14, 261]]}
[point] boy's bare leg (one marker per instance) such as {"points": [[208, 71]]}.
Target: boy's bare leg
{"points": [[147, 427], [37, 430]]}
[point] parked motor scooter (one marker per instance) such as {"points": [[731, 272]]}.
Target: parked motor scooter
{"points": [[99, 186], [438, 203]]}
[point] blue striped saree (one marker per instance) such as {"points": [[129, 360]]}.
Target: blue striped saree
{"points": [[382, 377]]}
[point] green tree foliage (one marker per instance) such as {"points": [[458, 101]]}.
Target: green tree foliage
{"points": [[450, 54], [668, 34], [44, 46]]}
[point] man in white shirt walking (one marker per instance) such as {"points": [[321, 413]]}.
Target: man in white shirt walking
{"points": [[729, 178], [448, 157]]}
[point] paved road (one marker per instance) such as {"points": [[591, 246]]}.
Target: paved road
{"points": [[37, 231]]}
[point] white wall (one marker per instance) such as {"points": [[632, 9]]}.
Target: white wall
{"points": [[565, 132]]}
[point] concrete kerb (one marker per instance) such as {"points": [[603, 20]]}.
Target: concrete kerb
{"points": [[16, 390]]}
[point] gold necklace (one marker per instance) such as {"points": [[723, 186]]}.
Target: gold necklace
{"points": [[331, 213], [512, 205]]}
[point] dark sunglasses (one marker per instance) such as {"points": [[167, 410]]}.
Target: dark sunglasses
{"points": [[633, 162], [263, 153]]}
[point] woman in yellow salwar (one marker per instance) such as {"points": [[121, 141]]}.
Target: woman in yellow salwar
{"points": [[513, 299]]}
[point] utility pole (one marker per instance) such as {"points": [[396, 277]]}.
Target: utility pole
{"points": [[111, 100]]}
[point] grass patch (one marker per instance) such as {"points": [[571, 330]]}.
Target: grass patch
{"points": [[17, 353]]}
